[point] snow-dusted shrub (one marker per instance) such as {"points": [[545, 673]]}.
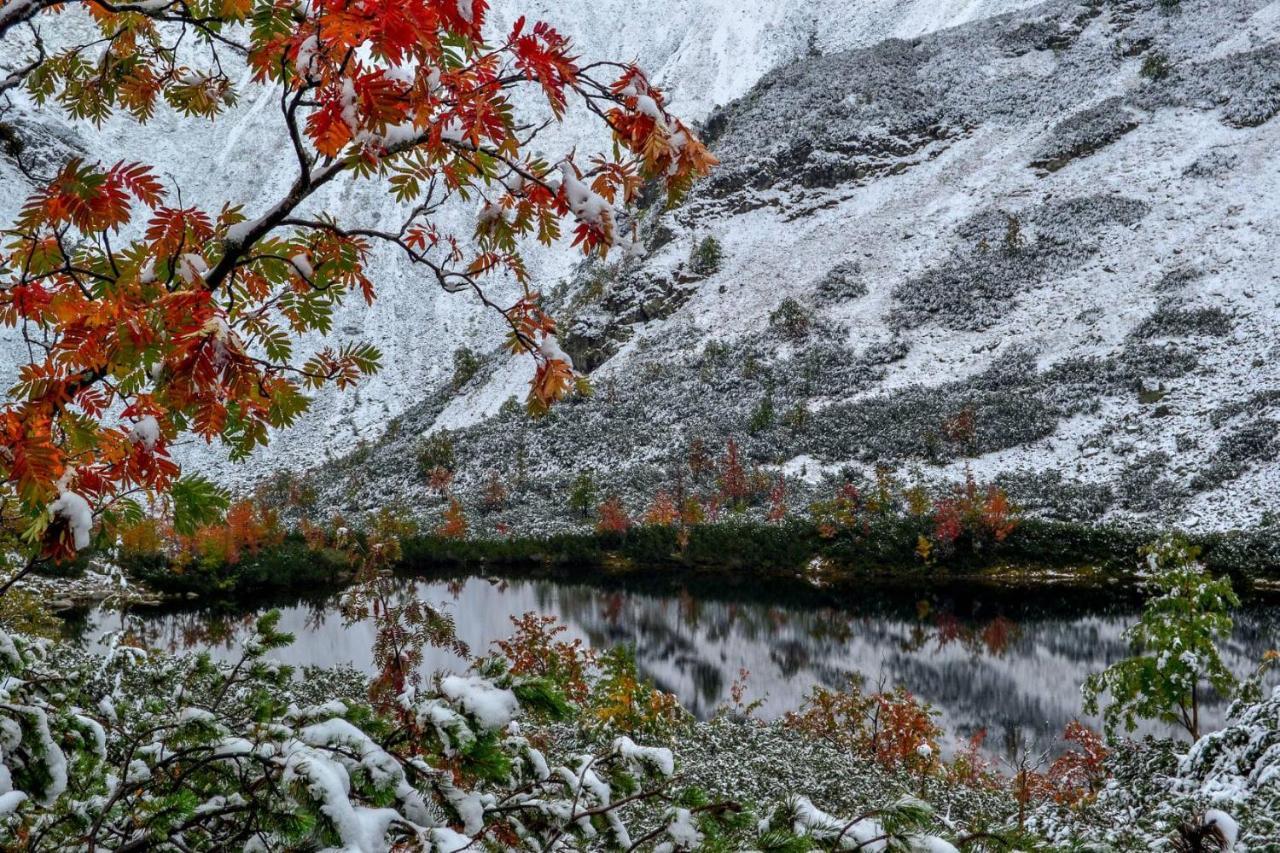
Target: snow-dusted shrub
{"points": [[1143, 487], [1238, 767], [843, 283], [1155, 66], [435, 454], [1048, 494], [465, 366], [1253, 441], [1084, 133], [791, 320], [1171, 320], [1221, 794], [978, 283], [134, 751], [706, 257]]}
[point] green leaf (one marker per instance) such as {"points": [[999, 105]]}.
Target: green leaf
{"points": [[196, 501]]}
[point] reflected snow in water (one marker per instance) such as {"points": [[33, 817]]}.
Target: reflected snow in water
{"points": [[985, 658]]}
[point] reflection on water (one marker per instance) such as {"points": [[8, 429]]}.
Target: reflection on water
{"points": [[985, 659]]}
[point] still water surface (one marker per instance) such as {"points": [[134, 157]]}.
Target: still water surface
{"points": [[1008, 661]]}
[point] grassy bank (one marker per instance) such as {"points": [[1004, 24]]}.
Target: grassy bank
{"points": [[734, 554]]}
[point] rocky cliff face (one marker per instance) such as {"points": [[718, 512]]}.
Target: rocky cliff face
{"points": [[1033, 241]]}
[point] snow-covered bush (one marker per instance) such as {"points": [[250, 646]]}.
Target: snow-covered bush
{"points": [[1222, 794], [791, 320], [435, 454], [1238, 767], [132, 751], [706, 257]]}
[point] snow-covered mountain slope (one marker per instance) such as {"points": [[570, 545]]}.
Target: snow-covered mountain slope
{"points": [[1036, 245], [1030, 239], [708, 51]]}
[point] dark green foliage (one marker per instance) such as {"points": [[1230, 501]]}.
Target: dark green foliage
{"points": [[706, 257], [465, 366], [583, 496], [1013, 239], [762, 417], [540, 696], [734, 553], [797, 417], [435, 453], [1175, 647], [791, 320], [291, 566], [196, 501], [1155, 66]]}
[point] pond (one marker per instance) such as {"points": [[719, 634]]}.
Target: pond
{"points": [[1007, 660]]}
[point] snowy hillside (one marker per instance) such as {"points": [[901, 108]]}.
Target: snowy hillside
{"points": [[708, 51], [1054, 223]]}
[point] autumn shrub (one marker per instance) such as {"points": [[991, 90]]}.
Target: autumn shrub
{"points": [[495, 495], [838, 513], [453, 522], [891, 728], [977, 517], [663, 511], [961, 431], [622, 701], [735, 487], [248, 527], [857, 511], [612, 517], [970, 768], [535, 649], [777, 502], [1079, 773]]}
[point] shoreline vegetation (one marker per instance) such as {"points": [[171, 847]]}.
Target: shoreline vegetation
{"points": [[790, 554]]}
